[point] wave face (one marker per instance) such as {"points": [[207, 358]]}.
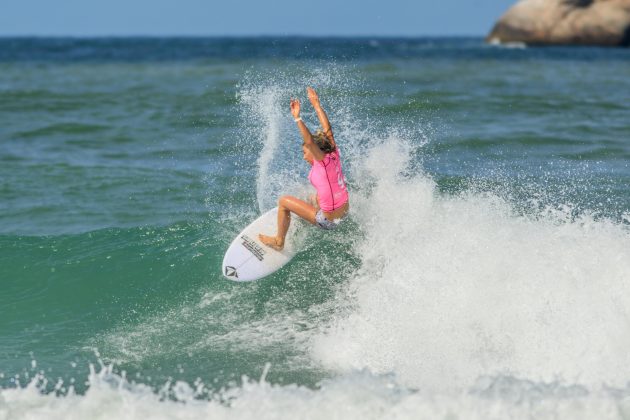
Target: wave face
{"points": [[482, 272]]}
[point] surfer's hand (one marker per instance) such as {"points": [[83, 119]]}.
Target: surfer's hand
{"points": [[295, 108], [312, 96]]}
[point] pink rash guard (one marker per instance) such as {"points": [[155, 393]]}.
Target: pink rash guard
{"points": [[327, 178]]}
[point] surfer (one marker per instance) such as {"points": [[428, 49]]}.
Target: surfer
{"points": [[328, 207]]}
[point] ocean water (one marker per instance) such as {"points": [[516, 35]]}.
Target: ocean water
{"points": [[484, 271]]}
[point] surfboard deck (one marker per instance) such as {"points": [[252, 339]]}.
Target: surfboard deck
{"points": [[248, 259]]}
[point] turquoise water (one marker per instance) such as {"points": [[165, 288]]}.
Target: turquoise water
{"points": [[483, 273]]}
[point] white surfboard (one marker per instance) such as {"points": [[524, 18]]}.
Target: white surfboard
{"points": [[248, 259]]}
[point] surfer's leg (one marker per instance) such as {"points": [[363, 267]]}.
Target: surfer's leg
{"points": [[287, 205]]}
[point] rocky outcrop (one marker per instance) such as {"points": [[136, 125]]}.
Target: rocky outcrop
{"points": [[565, 22]]}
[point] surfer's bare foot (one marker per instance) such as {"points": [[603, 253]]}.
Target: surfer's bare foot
{"points": [[271, 241]]}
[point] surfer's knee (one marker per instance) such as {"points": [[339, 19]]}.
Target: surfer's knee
{"points": [[284, 200]]}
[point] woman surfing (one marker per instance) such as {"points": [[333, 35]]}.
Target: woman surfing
{"points": [[328, 207]]}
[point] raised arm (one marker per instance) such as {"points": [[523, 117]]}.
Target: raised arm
{"points": [[323, 118], [306, 135]]}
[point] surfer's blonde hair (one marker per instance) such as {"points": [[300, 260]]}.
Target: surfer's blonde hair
{"points": [[323, 142]]}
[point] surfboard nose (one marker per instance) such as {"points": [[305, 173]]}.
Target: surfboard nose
{"points": [[230, 271], [248, 259]]}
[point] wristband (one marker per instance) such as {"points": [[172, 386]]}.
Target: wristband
{"points": [[298, 119]]}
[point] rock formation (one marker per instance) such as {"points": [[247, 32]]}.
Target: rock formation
{"points": [[565, 22]]}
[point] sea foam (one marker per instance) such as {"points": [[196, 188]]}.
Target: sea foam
{"points": [[453, 287], [354, 396]]}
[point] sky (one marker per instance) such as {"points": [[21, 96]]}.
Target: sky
{"points": [[250, 17]]}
